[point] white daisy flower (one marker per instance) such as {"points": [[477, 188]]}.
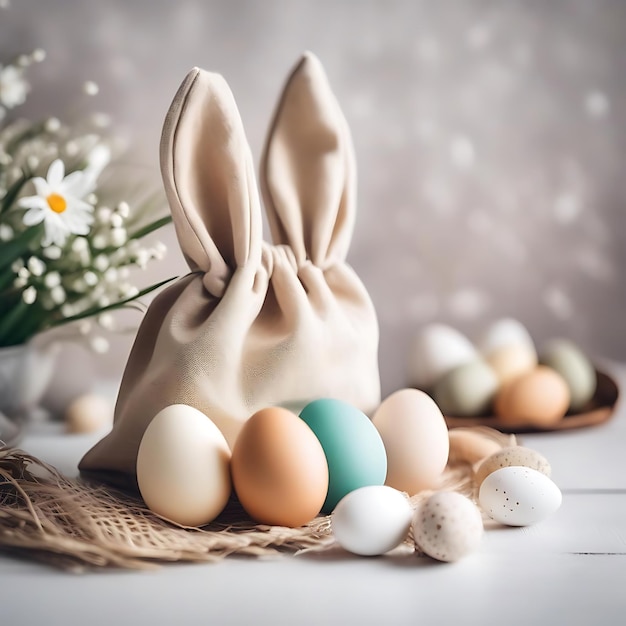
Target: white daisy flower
{"points": [[13, 87], [59, 204]]}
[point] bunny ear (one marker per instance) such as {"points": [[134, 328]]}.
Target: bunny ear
{"points": [[209, 179], [308, 169]]}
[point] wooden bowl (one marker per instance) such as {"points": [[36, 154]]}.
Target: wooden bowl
{"points": [[599, 409]]}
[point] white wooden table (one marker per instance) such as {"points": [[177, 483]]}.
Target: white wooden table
{"points": [[570, 569]]}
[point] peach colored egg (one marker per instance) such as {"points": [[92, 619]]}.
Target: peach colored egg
{"points": [[279, 469], [416, 440], [537, 398]]}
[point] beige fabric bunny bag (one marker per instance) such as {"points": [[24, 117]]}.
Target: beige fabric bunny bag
{"points": [[253, 324]]}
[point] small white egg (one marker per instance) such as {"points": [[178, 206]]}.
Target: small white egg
{"points": [[447, 526], [436, 350], [88, 413], [183, 466], [371, 520], [503, 333], [519, 496]]}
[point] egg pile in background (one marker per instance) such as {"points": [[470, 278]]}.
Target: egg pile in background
{"points": [[332, 459], [502, 374]]}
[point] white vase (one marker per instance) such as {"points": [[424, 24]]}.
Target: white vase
{"points": [[25, 372]]}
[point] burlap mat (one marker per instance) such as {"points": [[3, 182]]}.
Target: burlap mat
{"points": [[76, 526]]}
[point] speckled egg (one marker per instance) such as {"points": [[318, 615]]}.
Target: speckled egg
{"points": [[512, 456], [447, 526], [519, 496]]}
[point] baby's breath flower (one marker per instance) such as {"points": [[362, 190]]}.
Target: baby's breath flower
{"points": [[52, 125], [103, 215], [99, 345], [91, 88], [99, 241], [79, 258], [111, 275], [52, 279], [6, 232], [84, 328], [58, 294], [52, 252], [106, 321], [90, 278], [13, 86], [123, 209], [36, 266], [39, 55], [29, 295], [118, 236], [101, 262], [129, 291]]}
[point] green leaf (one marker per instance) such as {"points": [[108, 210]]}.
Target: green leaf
{"points": [[12, 250], [149, 228], [116, 305], [12, 193], [20, 323]]}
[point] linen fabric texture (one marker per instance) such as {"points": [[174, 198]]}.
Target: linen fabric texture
{"points": [[253, 324]]}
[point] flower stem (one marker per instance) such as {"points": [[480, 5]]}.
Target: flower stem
{"points": [[116, 305]]}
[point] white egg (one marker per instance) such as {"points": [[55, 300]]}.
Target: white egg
{"points": [[183, 466], [447, 526], [371, 520], [503, 333], [519, 496], [415, 436], [89, 413], [436, 350]]}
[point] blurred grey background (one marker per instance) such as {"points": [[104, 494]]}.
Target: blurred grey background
{"points": [[490, 138]]}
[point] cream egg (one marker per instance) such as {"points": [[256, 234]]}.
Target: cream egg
{"points": [[436, 350], [183, 466], [503, 333], [447, 526], [415, 437], [509, 362]]}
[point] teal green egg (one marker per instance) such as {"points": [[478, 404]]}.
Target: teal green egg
{"points": [[568, 360], [354, 450]]}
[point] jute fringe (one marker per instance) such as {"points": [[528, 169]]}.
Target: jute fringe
{"points": [[75, 526]]}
